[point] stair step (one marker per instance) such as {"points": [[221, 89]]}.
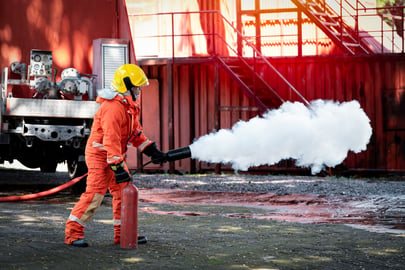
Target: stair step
{"points": [[239, 74], [320, 14], [340, 34], [253, 84], [235, 68], [246, 79], [345, 38], [330, 24], [351, 44], [310, 3]]}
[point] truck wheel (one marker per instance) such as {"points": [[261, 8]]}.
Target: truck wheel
{"points": [[48, 167], [76, 169]]}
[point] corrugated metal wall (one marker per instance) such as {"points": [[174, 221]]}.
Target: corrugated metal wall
{"points": [[65, 27], [197, 97]]}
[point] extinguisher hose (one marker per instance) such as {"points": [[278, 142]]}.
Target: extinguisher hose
{"points": [[140, 168], [43, 193]]}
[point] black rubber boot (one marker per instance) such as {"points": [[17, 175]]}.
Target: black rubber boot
{"points": [[142, 240], [80, 243]]}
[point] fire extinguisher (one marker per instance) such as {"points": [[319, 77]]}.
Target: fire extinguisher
{"points": [[129, 216], [129, 202]]}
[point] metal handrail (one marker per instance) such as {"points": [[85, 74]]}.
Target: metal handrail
{"points": [[328, 9], [354, 15], [256, 53], [346, 10]]}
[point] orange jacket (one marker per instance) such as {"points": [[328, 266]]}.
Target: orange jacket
{"points": [[115, 125]]}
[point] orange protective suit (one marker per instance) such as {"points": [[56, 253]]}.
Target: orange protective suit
{"points": [[115, 125]]}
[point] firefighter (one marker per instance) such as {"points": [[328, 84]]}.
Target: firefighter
{"points": [[115, 125]]}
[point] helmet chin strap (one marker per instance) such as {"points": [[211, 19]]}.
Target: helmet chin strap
{"points": [[130, 86], [134, 97]]}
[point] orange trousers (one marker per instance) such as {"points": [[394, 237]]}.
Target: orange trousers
{"points": [[99, 179]]}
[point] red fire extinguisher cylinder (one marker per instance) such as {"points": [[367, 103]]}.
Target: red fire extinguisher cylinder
{"points": [[129, 216], [129, 203]]}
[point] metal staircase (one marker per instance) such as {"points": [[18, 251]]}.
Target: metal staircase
{"points": [[251, 82], [248, 73], [333, 25]]}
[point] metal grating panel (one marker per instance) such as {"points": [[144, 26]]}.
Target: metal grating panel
{"points": [[114, 55]]}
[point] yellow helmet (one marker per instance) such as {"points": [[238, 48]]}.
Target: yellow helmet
{"points": [[128, 76]]}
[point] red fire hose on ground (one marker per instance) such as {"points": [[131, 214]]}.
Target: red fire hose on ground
{"points": [[43, 193], [172, 155]]}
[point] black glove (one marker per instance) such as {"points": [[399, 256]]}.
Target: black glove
{"points": [[156, 155], [121, 175]]}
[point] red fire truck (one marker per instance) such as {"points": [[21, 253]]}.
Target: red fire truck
{"points": [[43, 121]]}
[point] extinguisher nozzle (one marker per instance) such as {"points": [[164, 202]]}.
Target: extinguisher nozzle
{"points": [[179, 153]]}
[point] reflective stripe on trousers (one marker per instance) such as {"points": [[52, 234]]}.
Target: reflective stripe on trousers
{"points": [[98, 181]]}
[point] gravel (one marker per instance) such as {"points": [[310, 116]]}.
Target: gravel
{"points": [[281, 185]]}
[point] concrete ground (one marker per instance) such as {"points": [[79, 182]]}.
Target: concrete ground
{"points": [[214, 222]]}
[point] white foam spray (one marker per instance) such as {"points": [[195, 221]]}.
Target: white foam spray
{"points": [[315, 136]]}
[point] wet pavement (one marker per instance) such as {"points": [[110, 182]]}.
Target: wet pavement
{"points": [[374, 214], [371, 204], [215, 222]]}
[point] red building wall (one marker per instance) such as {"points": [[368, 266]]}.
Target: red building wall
{"points": [[66, 27], [189, 104]]}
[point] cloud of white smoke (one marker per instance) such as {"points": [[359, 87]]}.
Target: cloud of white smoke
{"points": [[315, 136]]}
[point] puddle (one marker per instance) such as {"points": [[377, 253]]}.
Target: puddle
{"points": [[377, 214]]}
